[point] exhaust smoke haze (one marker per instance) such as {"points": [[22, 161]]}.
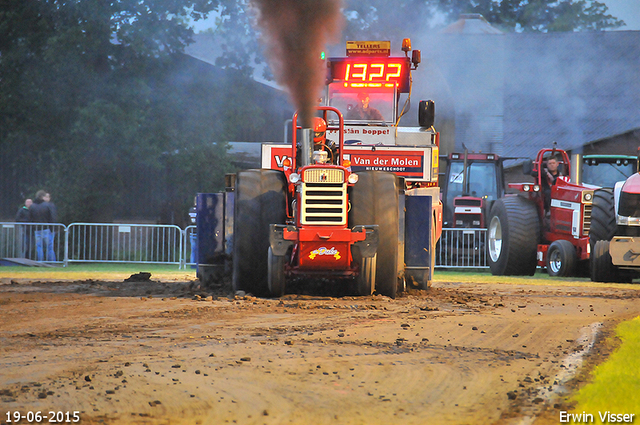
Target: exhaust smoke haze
{"points": [[296, 32]]}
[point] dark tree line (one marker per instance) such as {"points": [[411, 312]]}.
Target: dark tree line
{"points": [[99, 106]]}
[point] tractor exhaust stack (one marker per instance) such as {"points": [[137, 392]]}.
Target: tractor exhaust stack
{"points": [[307, 147]]}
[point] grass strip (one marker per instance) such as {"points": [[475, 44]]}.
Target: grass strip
{"points": [[540, 278], [98, 271], [615, 384]]}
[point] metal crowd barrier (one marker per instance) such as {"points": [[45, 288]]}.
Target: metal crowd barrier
{"points": [[462, 248], [33, 241], [167, 244], [94, 242], [124, 243]]}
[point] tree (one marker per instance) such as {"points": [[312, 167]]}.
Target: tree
{"points": [[98, 105], [536, 15], [386, 20]]}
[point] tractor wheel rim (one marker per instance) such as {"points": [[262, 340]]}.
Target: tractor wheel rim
{"points": [[495, 239], [555, 261]]}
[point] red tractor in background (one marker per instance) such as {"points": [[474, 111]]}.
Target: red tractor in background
{"points": [[526, 231], [471, 183]]}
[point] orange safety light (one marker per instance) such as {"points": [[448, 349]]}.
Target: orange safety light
{"points": [[286, 162], [346, 163], [406, 45]]}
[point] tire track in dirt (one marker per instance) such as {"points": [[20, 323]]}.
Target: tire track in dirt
{"points": [[459, 353]]}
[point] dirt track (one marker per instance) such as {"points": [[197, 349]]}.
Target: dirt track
{"points": [[167, 353]]}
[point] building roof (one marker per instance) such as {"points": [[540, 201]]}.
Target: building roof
{"points": [[571, 88], [516, 93]]}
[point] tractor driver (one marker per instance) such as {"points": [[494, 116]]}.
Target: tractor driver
{"points": [[364, 111], [321, 144], [550, 175]]}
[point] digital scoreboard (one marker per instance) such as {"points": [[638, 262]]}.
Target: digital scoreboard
{"points": [[371, 72]]}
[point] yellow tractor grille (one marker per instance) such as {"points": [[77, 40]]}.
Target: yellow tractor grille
{"points": [[324, 203], [323, 175], [586, 220]]}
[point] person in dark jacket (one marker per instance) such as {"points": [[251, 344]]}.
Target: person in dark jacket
{"points": [[364, 111], [44, 211], [24, 234]]}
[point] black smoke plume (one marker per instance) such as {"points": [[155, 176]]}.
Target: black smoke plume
{"points": [[296, 32]]}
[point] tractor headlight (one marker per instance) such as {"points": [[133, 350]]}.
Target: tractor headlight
{"points": [[353, 178], [536, 188], [294, 178], [587, 197], [526, 188]]}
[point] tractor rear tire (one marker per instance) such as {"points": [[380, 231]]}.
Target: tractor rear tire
{"points": [[603, 217], [374, 200], [561, 259], [513, 234], [260, 200]]}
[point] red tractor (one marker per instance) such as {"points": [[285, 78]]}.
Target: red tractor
{"points": [[547, 226], [301, 221], [317, 218], [471, 183], [361, 208]]}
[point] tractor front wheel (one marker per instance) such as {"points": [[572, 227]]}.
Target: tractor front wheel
{"points": [[561, 259], [602, 269]]}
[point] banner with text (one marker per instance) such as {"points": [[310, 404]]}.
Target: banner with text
{"points": [[414, 164]]}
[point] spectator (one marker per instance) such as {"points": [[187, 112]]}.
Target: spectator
{"points": [[44, 211], [24, 231]]}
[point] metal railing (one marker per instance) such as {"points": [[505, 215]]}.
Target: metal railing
{"points": [[462, 248], [167, 244], [33, 241], [124, 243], [95, 242]]}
